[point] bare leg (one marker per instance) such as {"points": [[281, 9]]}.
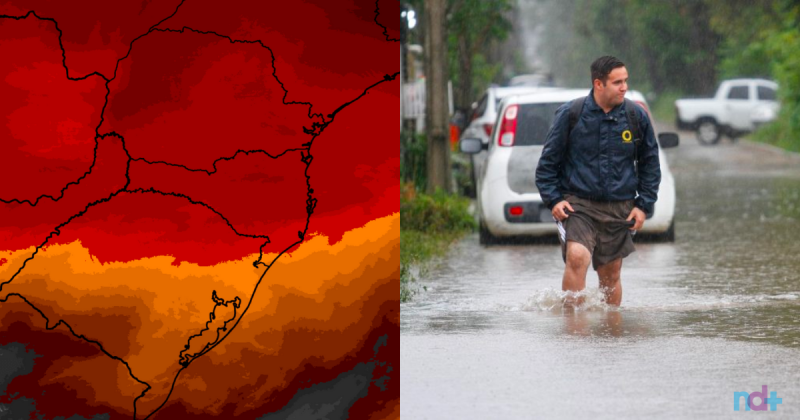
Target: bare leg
{"points": [[609, 281], [578, 259]]}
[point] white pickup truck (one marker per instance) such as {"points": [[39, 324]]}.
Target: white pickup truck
{"points": [[738, 107]]}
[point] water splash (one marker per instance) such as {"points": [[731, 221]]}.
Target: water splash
{"points": [[550, 299]]}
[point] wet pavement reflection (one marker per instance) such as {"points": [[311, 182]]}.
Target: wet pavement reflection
{"points": [[717, 311]]}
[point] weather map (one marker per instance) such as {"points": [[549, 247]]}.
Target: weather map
{"points": [[199, 209]]}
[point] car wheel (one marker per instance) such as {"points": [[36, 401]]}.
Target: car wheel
{"points": [[666, 236], [669, 235], [708, 131], [485, 237]]}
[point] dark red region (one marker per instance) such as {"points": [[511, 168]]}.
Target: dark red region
{"points": [[326, 52], [384, 324], [356, 170], [96, 33], [257, 194], [22, 324], [48, 127], [135, 225], [189, 99], [388, 18], [23, 225]]}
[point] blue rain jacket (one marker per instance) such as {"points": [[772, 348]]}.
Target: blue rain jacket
{"points": [[597, 163]]}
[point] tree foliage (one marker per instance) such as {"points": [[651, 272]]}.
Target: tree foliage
{"points": [[472, 25], [783, 46], [665, 44]]}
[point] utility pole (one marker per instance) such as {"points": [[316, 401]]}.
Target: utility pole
{"points": [[437, 124]]}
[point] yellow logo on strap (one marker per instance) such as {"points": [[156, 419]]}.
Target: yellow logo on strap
{"points": [[627, 136]]}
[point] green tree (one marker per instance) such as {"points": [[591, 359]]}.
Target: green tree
{"points": [[783, 45], [471, 26], [677, 43], [745, 27], [667, 44]]}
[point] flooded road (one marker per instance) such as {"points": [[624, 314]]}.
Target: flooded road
{"points": [[714, 313]]}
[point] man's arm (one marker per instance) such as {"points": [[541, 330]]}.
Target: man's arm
{"points": [[550, 163], [649, 168]]}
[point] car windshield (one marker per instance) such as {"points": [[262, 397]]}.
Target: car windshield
{"points": [[533, 123]]}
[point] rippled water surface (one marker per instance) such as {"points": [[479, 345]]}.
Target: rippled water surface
{"points": [[716, 312]]}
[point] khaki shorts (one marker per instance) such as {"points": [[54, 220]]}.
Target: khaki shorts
{"points": [[600, 227]]}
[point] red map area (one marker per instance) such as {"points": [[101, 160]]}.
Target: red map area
{"points": [[209, 134], [324, 50], [47, 141], [177, 91]]}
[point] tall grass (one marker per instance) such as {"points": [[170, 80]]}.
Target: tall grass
{"points": [[428, 224]]}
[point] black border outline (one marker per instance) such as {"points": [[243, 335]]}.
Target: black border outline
{"points": [[95, 73], [385, 29]]}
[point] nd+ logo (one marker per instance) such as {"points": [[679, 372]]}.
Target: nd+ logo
{"points": [[772, 401]]}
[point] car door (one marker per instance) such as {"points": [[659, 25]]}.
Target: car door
{"points": [[739, 105], [767, 104], [476, 129], [481, 161]]}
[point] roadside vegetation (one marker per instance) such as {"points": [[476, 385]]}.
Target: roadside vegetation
{"points": [[428, 225], [785, 44]]}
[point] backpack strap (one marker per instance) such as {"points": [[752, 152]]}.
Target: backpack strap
{"points": [[633, 123], [575, 109], [633, 120]]}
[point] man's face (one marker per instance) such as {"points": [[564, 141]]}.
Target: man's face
{"points": [[613, 91]]}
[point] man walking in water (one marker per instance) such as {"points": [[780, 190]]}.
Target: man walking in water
{"points": [[599, 174]]}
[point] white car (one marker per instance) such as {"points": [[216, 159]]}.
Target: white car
{"points": [[484, 112], [508, 202], [484, 115], [738, 107]]}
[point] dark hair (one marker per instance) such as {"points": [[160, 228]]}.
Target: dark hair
{"points": [[603, 66]]}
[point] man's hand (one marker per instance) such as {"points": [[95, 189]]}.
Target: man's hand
{"points": [[560, 210], [639, 216]]}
